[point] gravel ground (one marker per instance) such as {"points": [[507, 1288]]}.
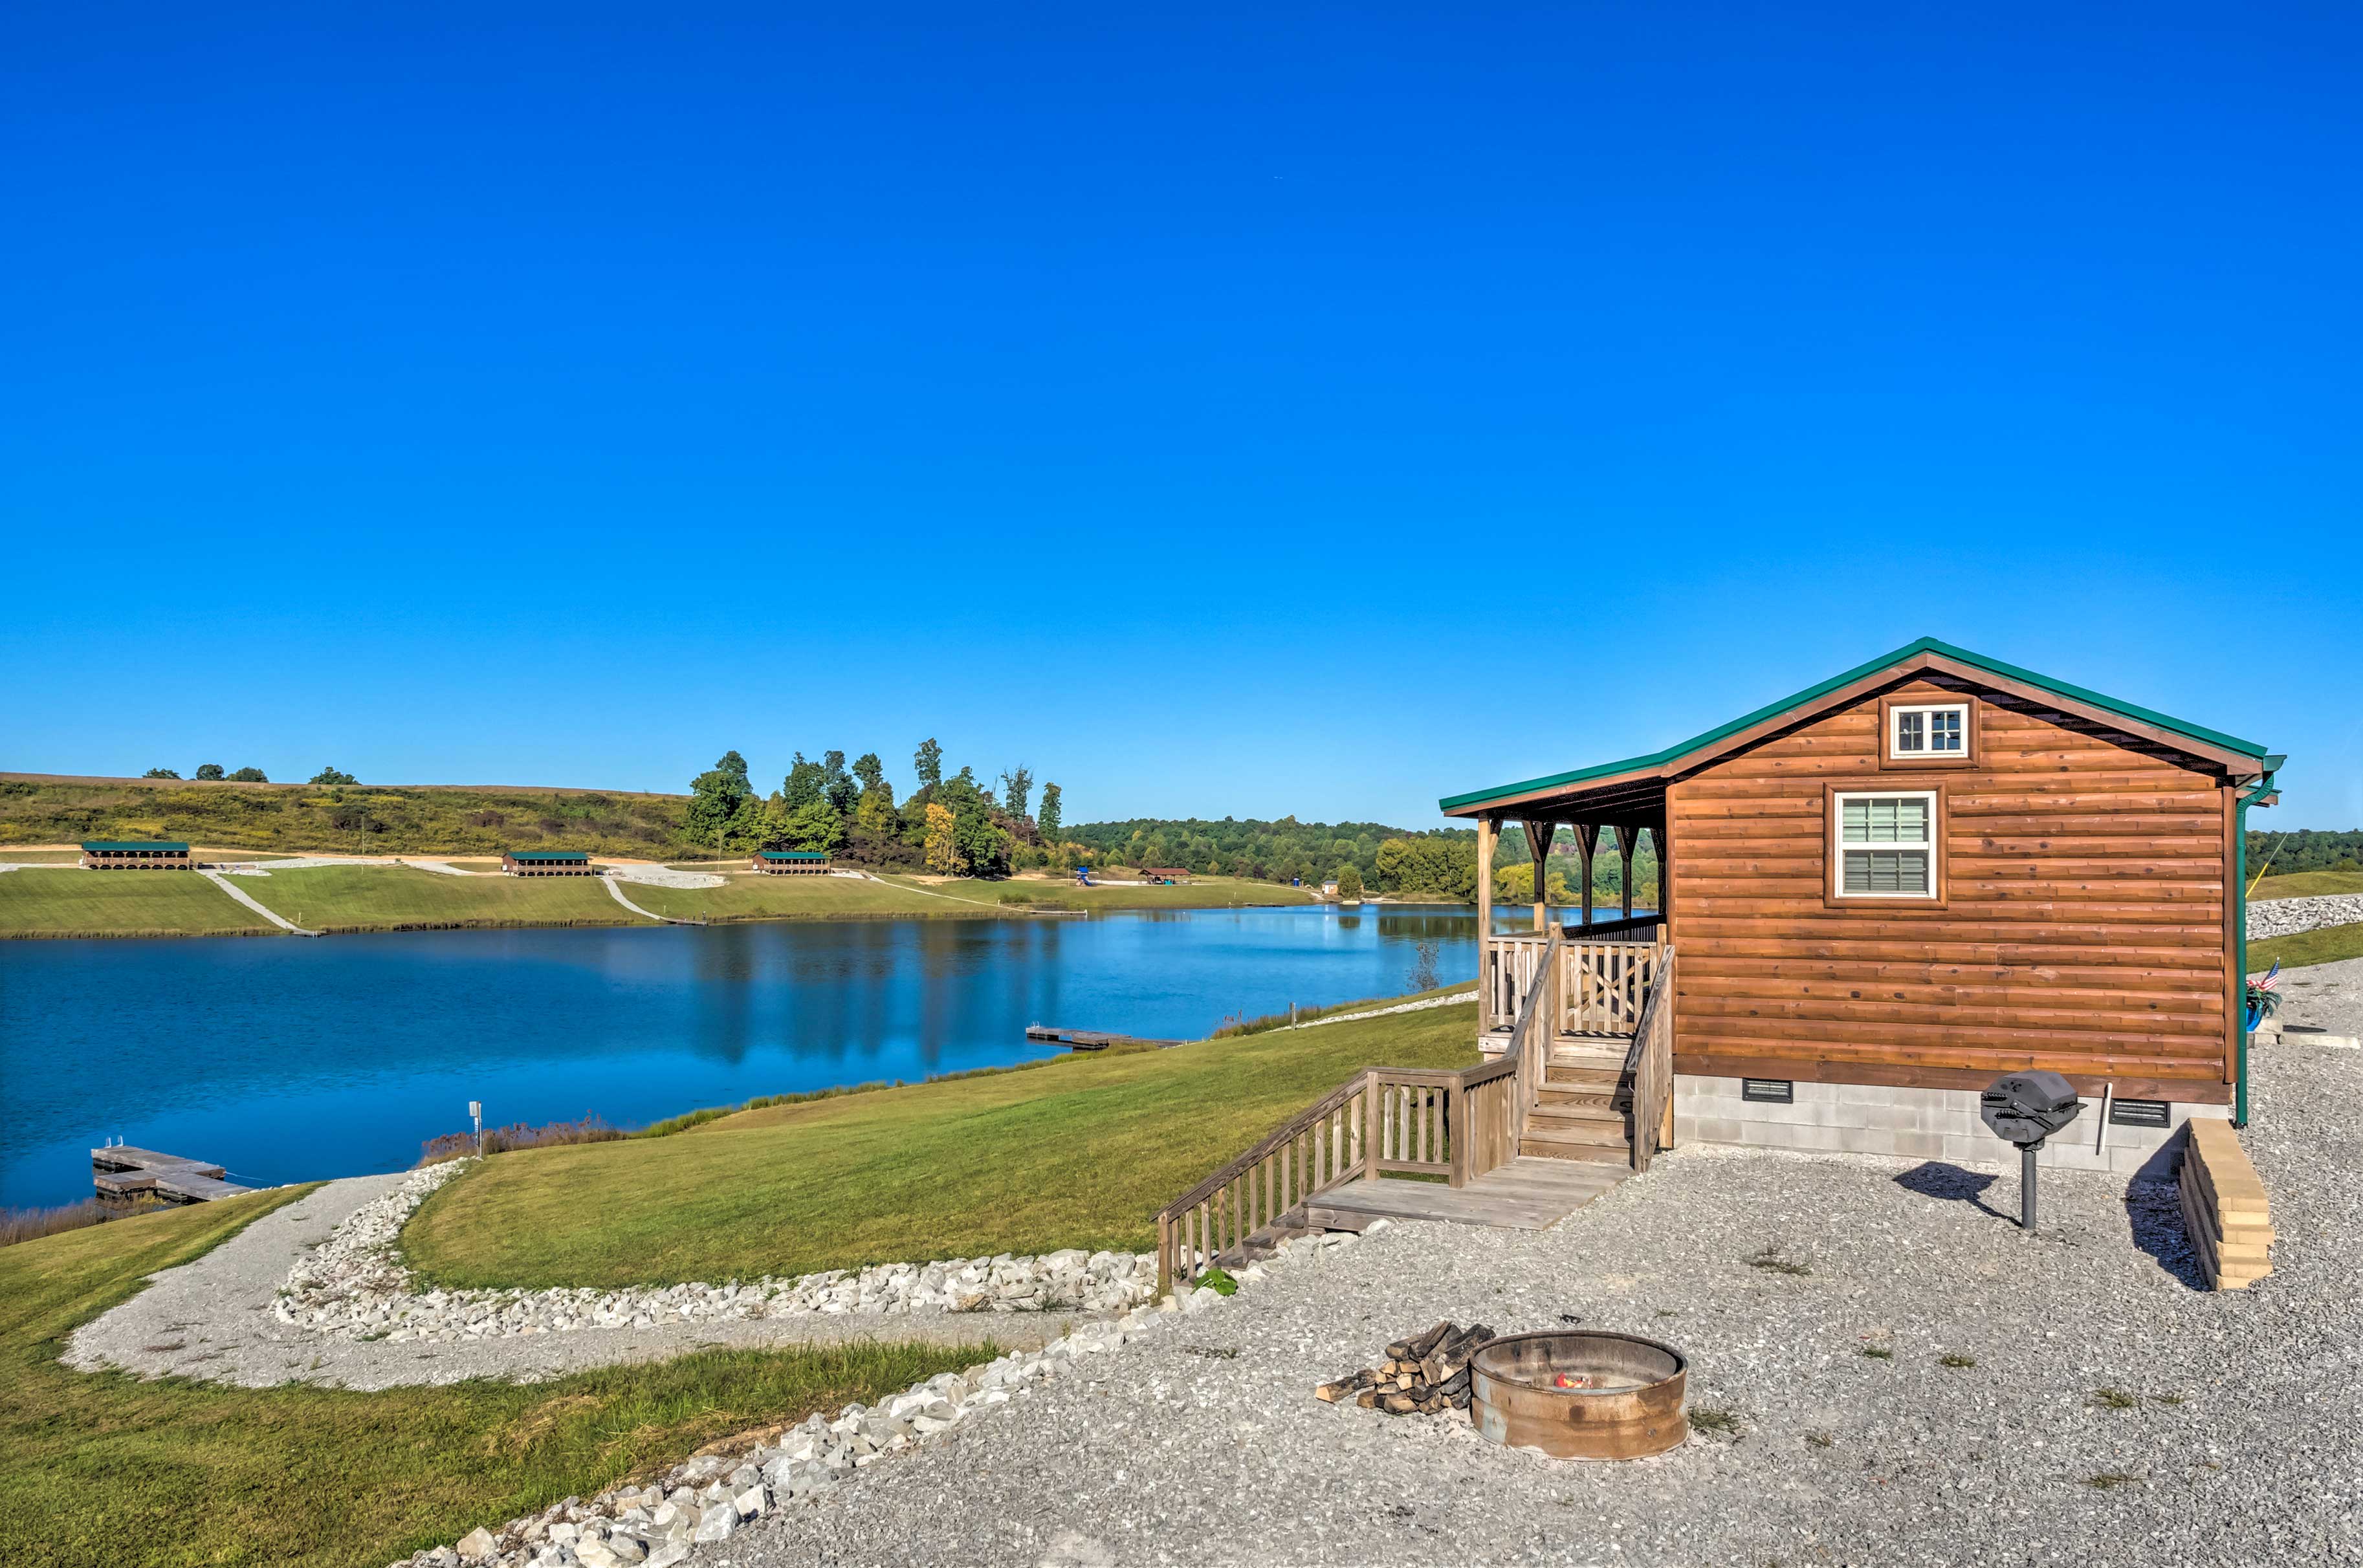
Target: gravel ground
{"points": [[211, 1319], [2116, 1413]]}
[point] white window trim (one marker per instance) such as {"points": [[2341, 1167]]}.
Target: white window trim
{"points": [[1838, 846], [1895, 725]]}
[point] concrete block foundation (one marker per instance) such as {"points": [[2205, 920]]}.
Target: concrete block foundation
{"points": [[1913, 1123]]}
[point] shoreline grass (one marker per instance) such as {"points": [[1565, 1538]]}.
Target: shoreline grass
{"points": [[102, 1469], [1078, 1151]]}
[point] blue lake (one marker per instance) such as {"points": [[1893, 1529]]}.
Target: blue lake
{"points": [[288, 1060]]}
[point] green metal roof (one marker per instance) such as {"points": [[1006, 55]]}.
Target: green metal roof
{"points": [[792, 855], [119, 846], [1673, 754], [548, 854]]}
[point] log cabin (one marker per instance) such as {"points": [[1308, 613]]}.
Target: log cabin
{"points": [[1878, 895]]}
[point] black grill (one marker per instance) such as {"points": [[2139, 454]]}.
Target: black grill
{"points": [[1771, 1091]]}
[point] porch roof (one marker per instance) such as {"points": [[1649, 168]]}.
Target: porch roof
{"points": [[1632, 785]]}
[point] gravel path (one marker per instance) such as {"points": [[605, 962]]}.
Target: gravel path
{"points": [[2230, 1430], [243, 897], [615, 892], [211, 1319]]}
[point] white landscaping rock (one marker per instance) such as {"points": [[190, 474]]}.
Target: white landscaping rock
{"points": [[711, 1497], [355, 1286]]}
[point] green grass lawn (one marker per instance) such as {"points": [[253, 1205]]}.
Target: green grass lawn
{"points": [[2307, 884], [1080, 1153], [102, 1469], [365, 898], [2323, 946], [122, 903]]}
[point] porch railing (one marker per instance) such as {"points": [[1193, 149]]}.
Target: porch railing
{"points": [[1649, 1066], [1607, 969]]}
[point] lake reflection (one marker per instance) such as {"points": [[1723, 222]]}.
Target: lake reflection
{"points": [[286, 1060]]}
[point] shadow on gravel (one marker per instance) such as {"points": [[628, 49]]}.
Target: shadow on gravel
{"points": [[1938, 1179], [2154, 1214]]}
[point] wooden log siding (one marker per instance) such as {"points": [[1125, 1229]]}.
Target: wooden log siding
{"points": [[2081, 928]]}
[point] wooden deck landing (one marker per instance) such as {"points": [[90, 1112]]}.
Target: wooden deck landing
{"points": [[1527, 1194]]}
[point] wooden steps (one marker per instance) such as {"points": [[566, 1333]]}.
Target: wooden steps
{"points": [[1527, 1194]]}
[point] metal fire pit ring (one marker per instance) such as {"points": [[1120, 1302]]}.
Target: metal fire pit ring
{"points": [[1635, 1412]]}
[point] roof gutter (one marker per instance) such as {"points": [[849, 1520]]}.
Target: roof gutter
{"points": [[2264, 791]]}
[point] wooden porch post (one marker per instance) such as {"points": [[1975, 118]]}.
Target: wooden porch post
{"points": [[1587, 839], [1486, 832], [1624, 839], [1664, 879], [1538, 840]]}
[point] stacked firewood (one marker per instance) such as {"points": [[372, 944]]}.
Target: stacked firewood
{"points": [[1423, 1375]]}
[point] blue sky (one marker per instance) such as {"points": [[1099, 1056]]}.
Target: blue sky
{"points": [[1221, 412]]}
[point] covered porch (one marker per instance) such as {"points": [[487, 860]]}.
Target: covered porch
{"points": [[1607, 957]]}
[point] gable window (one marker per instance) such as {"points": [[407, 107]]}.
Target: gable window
{"points": [[1886, 844], [1922, 731]]}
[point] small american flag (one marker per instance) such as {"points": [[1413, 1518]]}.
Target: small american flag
{"points": [[2272, 981]]}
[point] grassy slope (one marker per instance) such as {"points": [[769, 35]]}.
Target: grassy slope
{"points": [[1081, 1152], [408, 820], [2323, 946], [361, 898], [121, 903], [99, 1471], [2307, 884]]}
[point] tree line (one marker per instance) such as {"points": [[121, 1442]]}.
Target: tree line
{"points": [[2305, 849], [1359, 855], [953, 824]]}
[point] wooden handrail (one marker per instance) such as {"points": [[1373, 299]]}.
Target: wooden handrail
{"points": [[1648, 1065], [1458, 1124]]}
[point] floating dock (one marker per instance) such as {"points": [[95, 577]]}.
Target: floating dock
{"points": [[1092, 1039], [124, 1173]]}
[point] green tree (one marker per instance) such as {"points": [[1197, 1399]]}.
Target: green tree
{"points": [[209, 770], [838, 784], [813, 826], [249, 776], [1046, 818], [718, 797], [943, 853], [874, 812], [1350, 881], [1016, 789], [982, 842], [805, 782], [160, 773], [928, 762], [331, 775], [868, 772]]}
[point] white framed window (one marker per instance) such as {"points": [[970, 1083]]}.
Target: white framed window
{"points": [[1929, 730], [1886, 844]]}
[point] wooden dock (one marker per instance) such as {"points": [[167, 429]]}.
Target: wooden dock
{"points": [[1090, 1039], [124, 1173]]}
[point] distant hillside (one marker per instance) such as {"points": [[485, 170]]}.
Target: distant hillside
{"points": [[406, 819]]}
